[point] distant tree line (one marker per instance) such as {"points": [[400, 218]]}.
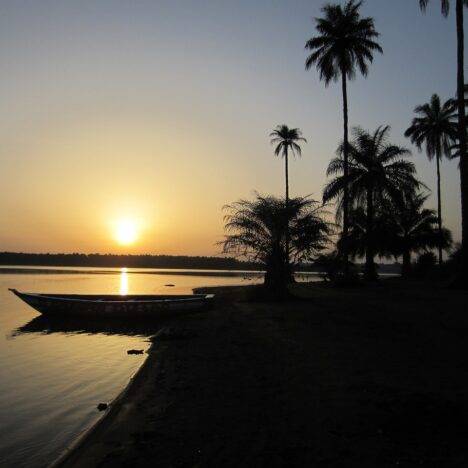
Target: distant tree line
{"points": [[130, 261], [156, 261]]}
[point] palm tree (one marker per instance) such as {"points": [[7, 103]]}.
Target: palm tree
{"points": [[408, 227], [377, 171], [257, 230], [435, 128], [358, 231], [287, 142], [463, 278], [345, 42]]}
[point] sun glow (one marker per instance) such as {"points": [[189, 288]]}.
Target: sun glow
{"points": [[126, 231]]}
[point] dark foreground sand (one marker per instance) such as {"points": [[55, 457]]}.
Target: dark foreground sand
{"points": [[372, 377]]}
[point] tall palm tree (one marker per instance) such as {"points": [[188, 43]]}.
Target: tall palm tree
{"points": [[257, 230], [408, 227], [436, 130], [462, 137], [377, 171], [287, 142], [345, 42]]}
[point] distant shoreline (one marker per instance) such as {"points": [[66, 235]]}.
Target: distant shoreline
{"points": [[96, 260], [7, 270], [176, 272], [145, 262]]}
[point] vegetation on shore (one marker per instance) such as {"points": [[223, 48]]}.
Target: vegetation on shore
{"points": [[345, 42], [377, 174], [380, 202], [287, 142], [435, 129], [274, 231], [461, 140]]}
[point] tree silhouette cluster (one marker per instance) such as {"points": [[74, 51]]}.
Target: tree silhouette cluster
{"points": [[379, 199], [130, 261]]}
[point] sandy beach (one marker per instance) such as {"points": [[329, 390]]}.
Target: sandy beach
{"points": [[368, 377]]}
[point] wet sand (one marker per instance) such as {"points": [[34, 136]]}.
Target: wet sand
{"points": [[370, 377]]}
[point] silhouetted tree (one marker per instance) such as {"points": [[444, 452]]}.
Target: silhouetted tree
{"points": [[287, 142], [425, 263], [408, 227], [358, 232], [331, 266], [345, 42], [257, 230], [376, 171], [436, 130], [459, 13]]}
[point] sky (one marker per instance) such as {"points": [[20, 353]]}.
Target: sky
{"points": [[156, 113]]}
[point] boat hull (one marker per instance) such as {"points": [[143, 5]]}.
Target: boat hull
{"points": [[107, 306]]}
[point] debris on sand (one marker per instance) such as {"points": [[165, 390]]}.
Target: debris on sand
{"points": [[102, 406], [135, 351]]}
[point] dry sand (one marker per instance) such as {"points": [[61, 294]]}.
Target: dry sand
{"points": [[372, 377]]}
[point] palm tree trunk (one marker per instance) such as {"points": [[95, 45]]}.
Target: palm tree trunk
{"points": [[370, 272], [463, 273], [344, 241], [406, 267], [286, 172], [439, 209], [275, 276]]}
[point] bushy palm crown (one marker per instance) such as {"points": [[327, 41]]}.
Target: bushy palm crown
{"points": [[286, 139], [256, 229], [374, 164], [445, 5], [344, 41], [410, 226], [435, 128]]}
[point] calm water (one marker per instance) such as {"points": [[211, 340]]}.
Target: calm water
{"points": [[52, 375]]}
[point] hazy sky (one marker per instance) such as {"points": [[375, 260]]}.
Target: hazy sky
{"points": [[159, 112]]}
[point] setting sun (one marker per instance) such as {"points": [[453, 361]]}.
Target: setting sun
{"points": [[126, 231]]}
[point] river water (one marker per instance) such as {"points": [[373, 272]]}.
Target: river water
{"points": [[54, 374]]}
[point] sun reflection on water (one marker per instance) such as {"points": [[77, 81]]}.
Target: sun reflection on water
{"points": [[123, 282]]}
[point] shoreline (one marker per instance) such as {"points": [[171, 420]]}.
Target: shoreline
{"points": [[333, 379], [130, 395], [73, 449], [166, 272]]}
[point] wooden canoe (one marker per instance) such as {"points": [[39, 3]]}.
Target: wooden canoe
{"points": [[108, 306]]}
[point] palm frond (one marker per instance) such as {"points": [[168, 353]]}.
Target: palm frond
{"points": [[344, 41], [287, 139], [445, 5], [374, 165], [257, 229], [434, 128]]}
